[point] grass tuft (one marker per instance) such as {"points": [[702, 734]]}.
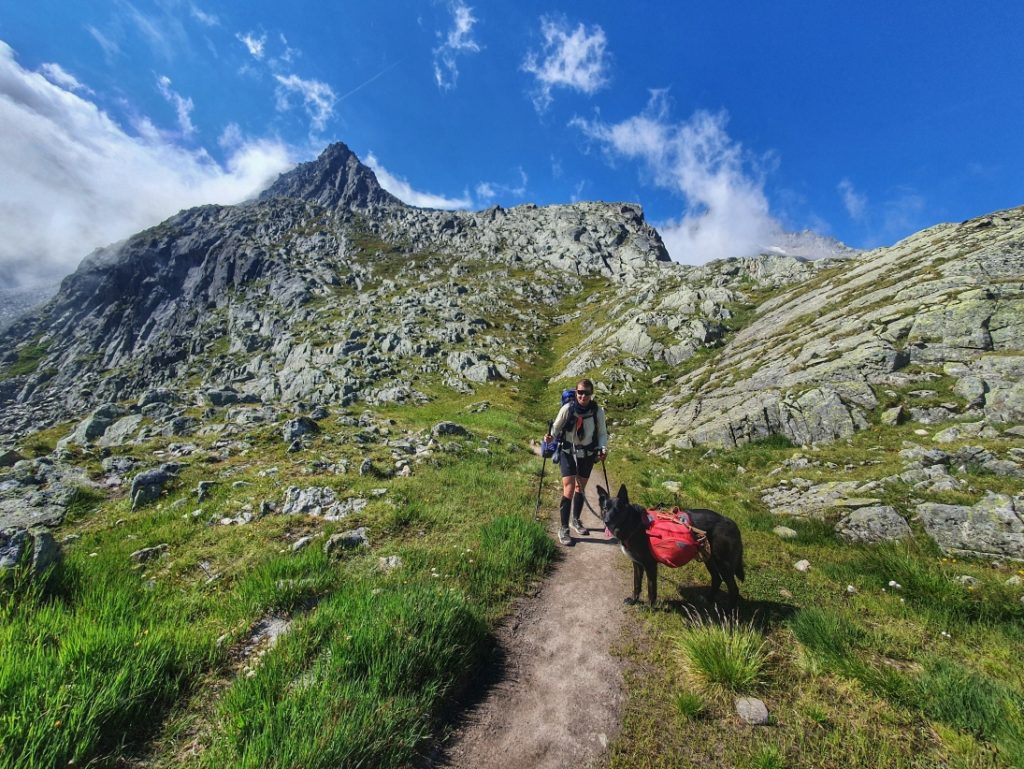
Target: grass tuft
{"points": [[689, 705], [724, 653], [768, 757]]}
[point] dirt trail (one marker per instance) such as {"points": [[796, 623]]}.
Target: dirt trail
{"points": [[555, 693]]}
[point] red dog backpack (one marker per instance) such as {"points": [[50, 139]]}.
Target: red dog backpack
{"points": [[674, 542]]}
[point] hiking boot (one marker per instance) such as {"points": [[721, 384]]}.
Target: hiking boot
{"points": [[578, 527], [564, 538]]}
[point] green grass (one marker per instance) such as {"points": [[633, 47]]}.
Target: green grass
{"points": [[90, 669], [127, 658], [357, 684], [29, 357], [724, 653], [689, 705]]}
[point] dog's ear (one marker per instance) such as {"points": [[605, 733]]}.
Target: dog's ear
{"points": [[623, 494], [602, 493]]}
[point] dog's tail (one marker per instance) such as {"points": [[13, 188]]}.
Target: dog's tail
{"points": [[739, 564]]}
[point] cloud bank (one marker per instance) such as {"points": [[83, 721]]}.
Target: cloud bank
{"points": [[726, 211], [74, 179]]}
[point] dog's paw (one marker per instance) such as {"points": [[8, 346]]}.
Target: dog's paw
{"points": [[631, 601]]}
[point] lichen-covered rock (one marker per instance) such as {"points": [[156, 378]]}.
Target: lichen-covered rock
{"points": [[992, 527], [803, 499], [148, 485], [295, 429], [873, 524], [948, 296], [337, 544], [320, 502]]}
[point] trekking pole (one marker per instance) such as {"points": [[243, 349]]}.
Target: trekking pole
{"points": [[546, 450], [540, 486]]}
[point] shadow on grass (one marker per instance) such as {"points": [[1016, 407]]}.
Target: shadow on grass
{"points": [[764, 615]]}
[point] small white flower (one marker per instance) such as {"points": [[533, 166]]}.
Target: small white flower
{"points": [[895, 585]]}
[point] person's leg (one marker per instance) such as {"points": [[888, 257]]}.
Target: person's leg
{"points": [[568, 487], [577, 508], [584, 466]]}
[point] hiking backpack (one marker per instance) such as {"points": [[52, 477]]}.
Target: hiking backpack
{"points": [[673, 539], [551, 448]]}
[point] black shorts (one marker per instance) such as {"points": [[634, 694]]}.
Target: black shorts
{"points": [[571, 465]]}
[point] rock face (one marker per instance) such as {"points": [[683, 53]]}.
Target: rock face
{"points": [[807, 368], [326, 289]]}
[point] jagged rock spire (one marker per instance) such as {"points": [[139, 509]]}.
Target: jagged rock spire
{"points": [[335, 179]]}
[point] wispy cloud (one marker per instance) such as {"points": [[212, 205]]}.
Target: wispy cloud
{"points": [[890, 215], [855, 203], [318, 98], [74, 179], [253, 44], [57, 75], [488, 191], [204, 18], [574, 59], [181, 105], [404, 191], [902, 212], [162, 31], [458, 41], [726, 211], [110, 47]]}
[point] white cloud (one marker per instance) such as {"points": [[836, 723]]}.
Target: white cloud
{"points": [[109, 46], [459, 40], [231, 137], [75, 180], [252, 43], [57, 75], [204, 18], [181, 105], [402, 190], [488, 191], [856, 204], [317, 98], [570, 59], [726, 212]]}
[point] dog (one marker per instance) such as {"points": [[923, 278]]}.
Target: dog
{"points": [[628, 523]]}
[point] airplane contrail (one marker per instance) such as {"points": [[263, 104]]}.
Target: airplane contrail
{"points": [[364, 84]]}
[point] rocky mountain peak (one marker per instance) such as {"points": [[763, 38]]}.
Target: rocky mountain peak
{"points": [[336, 179]]}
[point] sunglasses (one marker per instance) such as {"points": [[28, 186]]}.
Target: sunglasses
{"points": [[584, 392]]}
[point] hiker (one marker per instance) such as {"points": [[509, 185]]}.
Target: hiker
{"points": [[583, 436]]}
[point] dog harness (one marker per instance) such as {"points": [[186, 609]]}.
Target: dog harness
{"points": [[674, 540]]}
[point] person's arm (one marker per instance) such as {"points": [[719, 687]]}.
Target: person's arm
{"points": [[559, 424], [602, 433]]}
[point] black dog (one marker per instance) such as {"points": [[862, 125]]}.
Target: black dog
{"points": [[628, 523]]}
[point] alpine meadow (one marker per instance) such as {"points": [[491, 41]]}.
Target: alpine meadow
{"points": [[270, 495]]}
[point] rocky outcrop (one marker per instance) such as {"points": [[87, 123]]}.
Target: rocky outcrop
{"points": [[994, 527], [808, 366], [326, 289]]}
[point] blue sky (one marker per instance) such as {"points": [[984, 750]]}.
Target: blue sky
{"points": [[727, 121]]}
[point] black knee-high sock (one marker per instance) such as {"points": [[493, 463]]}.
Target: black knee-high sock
{"points": [[563, 511], [577, 505]]}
